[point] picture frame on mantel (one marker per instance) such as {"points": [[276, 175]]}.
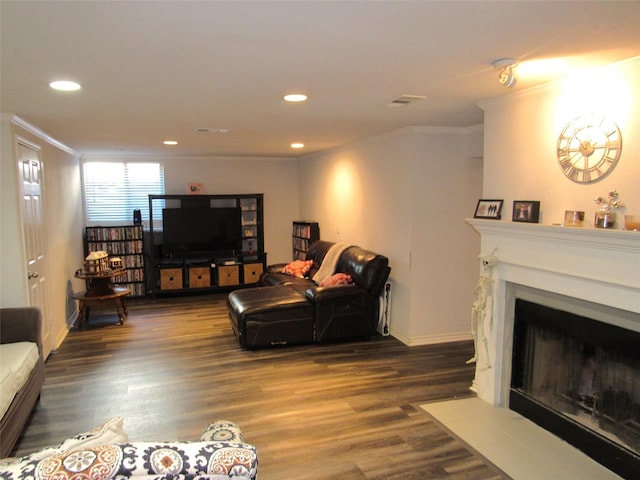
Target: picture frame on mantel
{"points": [[490, 209], [527, 211]]}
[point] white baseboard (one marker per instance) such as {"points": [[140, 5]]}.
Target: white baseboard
{"points": [[431, 339], [62, 333]]}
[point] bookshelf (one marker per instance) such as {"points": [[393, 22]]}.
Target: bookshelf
{"points": [[304, 234], [125, 242]]}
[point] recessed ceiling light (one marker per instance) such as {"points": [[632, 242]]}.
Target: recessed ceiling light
{"points": [[297, 145], [295, 97], [170, 142], [65, 85]]}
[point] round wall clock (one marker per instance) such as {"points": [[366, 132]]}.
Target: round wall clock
{"points": [[589, 148]]}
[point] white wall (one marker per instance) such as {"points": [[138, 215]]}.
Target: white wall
{"points": [[62, 201], [405, 195], [276, 178], [447, 183], [521, 133], [13, 284]]}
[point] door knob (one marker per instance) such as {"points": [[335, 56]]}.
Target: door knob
{"points": [[31, 275]]}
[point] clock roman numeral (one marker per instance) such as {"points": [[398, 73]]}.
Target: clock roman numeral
{"points": [[595, 174], [572, 173], [566, 162], [563, 142]]}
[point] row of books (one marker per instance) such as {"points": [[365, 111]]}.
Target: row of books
{"points": [[299, 255], [133, 247], [300, 243], [133, 261], [114, 233], [137, 289], [131, 275], [300, 230]]}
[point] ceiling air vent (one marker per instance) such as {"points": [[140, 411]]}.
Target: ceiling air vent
{"points": [[212, 130], [404, 100]]}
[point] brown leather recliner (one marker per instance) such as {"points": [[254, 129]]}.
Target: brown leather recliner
{"points": [[288, 310]]}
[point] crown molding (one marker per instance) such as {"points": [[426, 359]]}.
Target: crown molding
{"points": [[41, 134]]}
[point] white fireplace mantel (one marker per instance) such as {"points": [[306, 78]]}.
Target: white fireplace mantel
{"points": [[608, 260], [599, 266]]}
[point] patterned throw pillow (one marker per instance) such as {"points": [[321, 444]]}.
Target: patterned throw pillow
{"points": [[336, 279], [298, 268], [222, 431], [109, 432]]}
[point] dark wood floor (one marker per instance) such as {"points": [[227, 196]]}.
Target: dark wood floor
{"points": [[348, 411]]}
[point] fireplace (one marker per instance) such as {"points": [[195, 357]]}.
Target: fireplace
{"points": [[578, 277], [580, 379]]}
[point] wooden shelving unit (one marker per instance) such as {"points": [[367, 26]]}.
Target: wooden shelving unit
{"points": [[209, 271], [126, 242], [304, 234]]}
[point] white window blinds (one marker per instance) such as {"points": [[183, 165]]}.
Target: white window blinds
{"points": [[113, 190]]}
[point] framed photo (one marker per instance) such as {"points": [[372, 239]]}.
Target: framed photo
{"points": [[526, 211], [489, 209], [195, 188]]}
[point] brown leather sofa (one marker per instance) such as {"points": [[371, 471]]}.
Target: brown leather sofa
{"points": [[289, 310], [21, 325]]}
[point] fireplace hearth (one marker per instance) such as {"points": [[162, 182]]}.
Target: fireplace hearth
{"points": [[580, 379]]}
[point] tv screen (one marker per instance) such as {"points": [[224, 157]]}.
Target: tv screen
{"points": [[201, 230]]}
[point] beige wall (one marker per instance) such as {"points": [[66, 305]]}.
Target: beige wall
{"points": [[276, 178], [521, 132], [13, 288], [63, 225], [405, 195]]}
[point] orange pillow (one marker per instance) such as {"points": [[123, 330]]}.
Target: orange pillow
{"points": [[298, 268], [336, 279]]}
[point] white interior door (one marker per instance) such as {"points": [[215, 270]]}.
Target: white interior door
{"points": [[30, 168]]}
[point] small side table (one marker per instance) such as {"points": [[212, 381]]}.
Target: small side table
{"points": [[101, 290]]}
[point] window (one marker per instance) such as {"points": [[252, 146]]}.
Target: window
{"points": [[113, 190]]}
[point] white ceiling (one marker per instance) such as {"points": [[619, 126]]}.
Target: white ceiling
{"points": [[157, 70]]}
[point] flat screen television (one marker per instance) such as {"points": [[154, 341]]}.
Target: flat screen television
{"points": [[193, 231]]}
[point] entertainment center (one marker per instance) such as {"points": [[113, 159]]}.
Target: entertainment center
{"points": [[206, 242]]}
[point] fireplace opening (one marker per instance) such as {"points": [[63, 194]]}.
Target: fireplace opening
{"points": [[579, 378]]}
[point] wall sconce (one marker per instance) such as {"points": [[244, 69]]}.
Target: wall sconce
{"points": [[506, 76]]}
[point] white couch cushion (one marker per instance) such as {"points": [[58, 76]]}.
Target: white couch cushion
{"points": [[16, 364], [107, 433]]}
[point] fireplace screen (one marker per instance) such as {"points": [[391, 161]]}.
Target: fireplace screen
{"points": [[582, 370]]}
